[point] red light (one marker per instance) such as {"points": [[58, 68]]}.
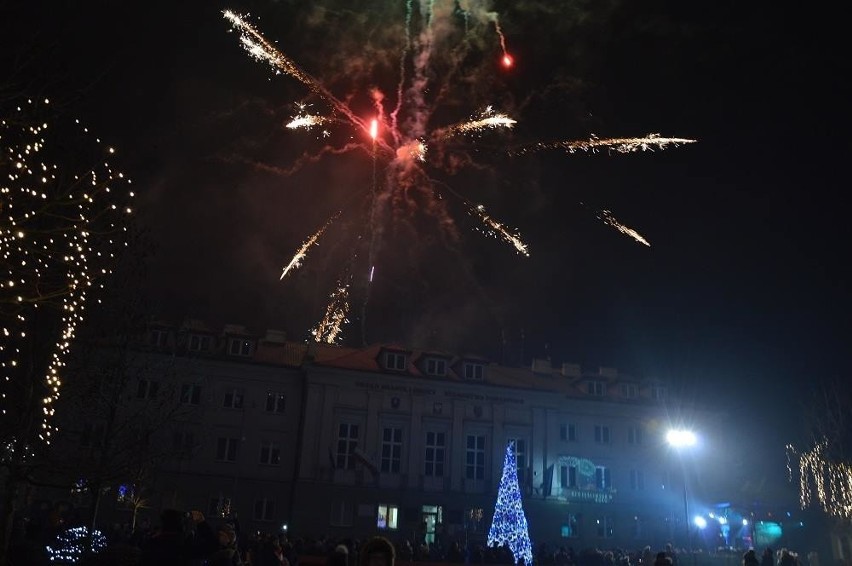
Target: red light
{"points": [[374, 129], [508, 61]]}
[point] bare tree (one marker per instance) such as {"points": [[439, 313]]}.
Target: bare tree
{"points": [[63, 212]]}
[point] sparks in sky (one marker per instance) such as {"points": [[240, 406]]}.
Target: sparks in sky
{"points": [[401, 123], [328, 330], [302, 252], [608, 219]]}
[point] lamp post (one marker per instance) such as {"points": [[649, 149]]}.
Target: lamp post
{"points": [[680, 440]]}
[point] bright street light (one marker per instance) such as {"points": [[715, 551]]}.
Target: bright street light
{"points": [[678, 438]]}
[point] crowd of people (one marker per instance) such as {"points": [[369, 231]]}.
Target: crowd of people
{"points": [[188, 539]]}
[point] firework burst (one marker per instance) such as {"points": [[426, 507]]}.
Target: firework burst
{"points": [[396, 127]]}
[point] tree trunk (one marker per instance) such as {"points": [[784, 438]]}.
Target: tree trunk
{"points": [[11, 490]]}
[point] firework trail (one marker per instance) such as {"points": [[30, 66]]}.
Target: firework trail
{"points": [[302, 252], [329, 329], [618, 145], [306, 121], [608, 219], [499, 231], [488, 119]]}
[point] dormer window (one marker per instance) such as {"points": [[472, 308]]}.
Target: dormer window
{"points": [[629, 390], [395, 361], [159, 337], [473, 370], [240, 347], [199, 343], [436, 366], [597, 388]]}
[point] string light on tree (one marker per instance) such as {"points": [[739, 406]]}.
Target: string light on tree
{"points": [[509, 526], [71, 544], [822, 480], [63, 211]]}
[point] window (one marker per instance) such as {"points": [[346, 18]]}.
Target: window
{"points": [[634, 435], [240, 347], [183, 442], [264, 510], [147, 389], [603, 479], [473, 371], [602, 434], [435, 366], [190, 394], [521, 459], [159, 338], [233, 398], [568, 432], [434, 459], [391, 449], [270, 453], [475, 462], [275, 402], [629, 390], [341, 514], [636, 530], [658, 393], [387, 516], [597, 388], [568, 476], [199, 343], [347, 441], [226, 449], [395, 361], [604, 527], [571, 526], [637, 480]]}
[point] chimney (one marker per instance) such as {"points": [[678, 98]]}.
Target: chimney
{"points": [[540, 365]]}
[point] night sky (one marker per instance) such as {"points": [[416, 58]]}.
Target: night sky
{"points": [[742, 297]]}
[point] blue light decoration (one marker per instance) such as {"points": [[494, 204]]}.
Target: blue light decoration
{"points": [[70, 545], [509, 525]]}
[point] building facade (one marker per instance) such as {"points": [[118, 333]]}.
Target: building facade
{"points": [[325, 440]]}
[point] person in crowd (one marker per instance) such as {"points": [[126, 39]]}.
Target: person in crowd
{"points": [[768, 557], [339, 556], [378, 551], [750, 558], [173, 544], [226, 552], [662, 560]]}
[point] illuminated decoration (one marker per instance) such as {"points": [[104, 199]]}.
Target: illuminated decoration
{"points": [[822, 479], [509, 526], [71, 545], [63, 215], [767, 533], [401, 124], [302, 252]]}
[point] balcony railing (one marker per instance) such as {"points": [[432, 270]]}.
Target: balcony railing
{"points": [[587, 495]]}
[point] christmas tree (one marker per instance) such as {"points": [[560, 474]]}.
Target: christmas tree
{"points": [[510, 525]]}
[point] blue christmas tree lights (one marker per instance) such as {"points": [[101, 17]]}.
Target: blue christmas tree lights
{"points": [[509, 526]]}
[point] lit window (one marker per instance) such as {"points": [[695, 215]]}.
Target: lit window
{"points": [[387, 517], [275, 402]]}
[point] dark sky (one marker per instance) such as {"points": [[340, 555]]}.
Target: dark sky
{"points": [[742, 296]]}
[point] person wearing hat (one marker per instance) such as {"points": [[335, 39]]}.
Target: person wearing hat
{"points": [[226, 554]]}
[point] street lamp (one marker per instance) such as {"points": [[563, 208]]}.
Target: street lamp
{"points": [[680, 440]]}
